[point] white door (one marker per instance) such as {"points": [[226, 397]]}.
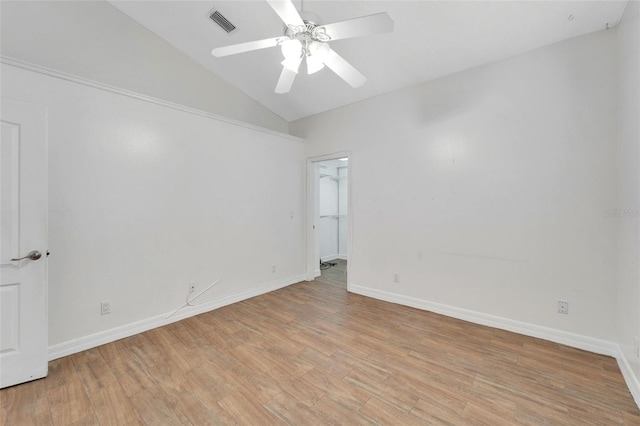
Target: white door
{"points": [[23, 231]]}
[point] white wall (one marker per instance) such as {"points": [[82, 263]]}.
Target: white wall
{"points": [[628, 185], [146, 198], [94, 40], [494, 189]]}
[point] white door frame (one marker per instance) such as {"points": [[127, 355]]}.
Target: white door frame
{"points": [[313, 195]]}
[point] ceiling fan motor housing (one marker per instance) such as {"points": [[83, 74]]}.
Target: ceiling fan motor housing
{"points": [[310, 31]]}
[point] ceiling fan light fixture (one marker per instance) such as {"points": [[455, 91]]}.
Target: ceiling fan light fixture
{"points": [[291, 49], [319, 49], [314, 64], [316, 54], [292, 64]]}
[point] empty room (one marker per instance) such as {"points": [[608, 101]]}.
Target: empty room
{"points": [[320, 212]]}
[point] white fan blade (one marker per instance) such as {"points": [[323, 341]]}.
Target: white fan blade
{"points": [[245, 47], [287, 76], [285, 81], [344, 69], [286, 11], [365, 25]]}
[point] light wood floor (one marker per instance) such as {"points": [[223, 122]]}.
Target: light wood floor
{"points": [[313, 354]]}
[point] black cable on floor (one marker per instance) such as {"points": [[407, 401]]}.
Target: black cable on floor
{"points": [[326, 265]]}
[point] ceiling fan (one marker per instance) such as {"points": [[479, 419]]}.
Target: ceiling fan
{"points": [[304, 39]]}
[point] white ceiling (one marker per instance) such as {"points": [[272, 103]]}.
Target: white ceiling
{"points": [[431, 39]]}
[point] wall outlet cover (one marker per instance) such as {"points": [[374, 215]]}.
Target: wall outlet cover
{"points": [[563, 307]]}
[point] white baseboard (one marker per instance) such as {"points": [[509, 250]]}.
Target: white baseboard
{"points": [[317, 273], [579, 341], [629, 376], [329, 258], [333, 257], [591, 344], [91, 341]]}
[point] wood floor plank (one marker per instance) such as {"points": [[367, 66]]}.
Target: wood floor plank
{"points": [[436, 414], [546, 408], [311, 339], [203, 411], [160, 337], [631, 418], [251, 358], [147, 352], [312, 353], [26, 404], [324, 362], [349, 394], [94, 372], [156, 407], [337, 412], [396, 396], [247, 411], [112, 406], [439, 367], [482, 414], [540, 415], [118, 352], [206, 386], [386, 414], [587, 414], [133, 377], [70, 404], [184, 334], [212, 358], [450, 396], [399, 365], [61, 372], [372, 370], [261, 386], [291, 411]]}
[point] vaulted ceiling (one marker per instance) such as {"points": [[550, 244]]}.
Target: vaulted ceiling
{"points": [[430, 39]]}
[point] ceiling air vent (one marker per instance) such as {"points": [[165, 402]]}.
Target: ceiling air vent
{"points": [[223, 22]]}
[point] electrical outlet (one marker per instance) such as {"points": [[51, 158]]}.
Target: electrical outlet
{"points": [[396, 278], [105, 307], [563, 307], [637, 347], [273, 269]]}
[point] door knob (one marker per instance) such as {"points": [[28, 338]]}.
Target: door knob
{"points": [[33, 255]]}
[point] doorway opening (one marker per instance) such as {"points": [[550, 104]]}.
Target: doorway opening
{"points": [[332, 220], [329, 219]]}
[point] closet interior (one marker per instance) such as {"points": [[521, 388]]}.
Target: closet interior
{"points": [[333, 211]]}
